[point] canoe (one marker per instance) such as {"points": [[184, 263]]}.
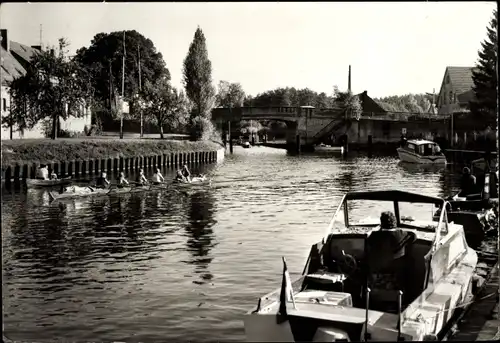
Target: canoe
{"points": [[102, 191], [34, 183], [197, 180]]}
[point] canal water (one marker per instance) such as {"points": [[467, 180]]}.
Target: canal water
{"points": [[179, 264]]}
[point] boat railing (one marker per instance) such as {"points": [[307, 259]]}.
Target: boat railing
{"points": [[442, 226], [332, 221]]}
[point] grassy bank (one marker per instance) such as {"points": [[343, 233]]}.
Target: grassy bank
{"points": [[28, 151]]}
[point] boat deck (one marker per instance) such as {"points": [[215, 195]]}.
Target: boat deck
{"points": [[482, 321]]}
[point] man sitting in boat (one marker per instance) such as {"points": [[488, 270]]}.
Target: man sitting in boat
{"points": [[437, 150], [42, 172], [122, 181], [53, 175], [180, 177], [157, 177], [467, 183], [102, 181], [186, 173], [387, 249], [141, 178]]}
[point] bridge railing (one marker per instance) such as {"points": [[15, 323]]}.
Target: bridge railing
{"points": [[291, 110], [402, 116]]}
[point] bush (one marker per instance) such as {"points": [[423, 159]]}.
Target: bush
{"points": [[201, 128]]}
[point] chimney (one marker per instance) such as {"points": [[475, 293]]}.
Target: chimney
{"points": [[52, 52], [349, 79], [5, 39]]}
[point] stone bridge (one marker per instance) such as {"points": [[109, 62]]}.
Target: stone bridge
{"points": [[310, 126]]}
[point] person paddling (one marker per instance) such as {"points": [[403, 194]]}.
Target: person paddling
{"points": [[179, 177], [157, 177], [141, 178], [42, 172], [122, 181], [186, 173], [102, 181]]}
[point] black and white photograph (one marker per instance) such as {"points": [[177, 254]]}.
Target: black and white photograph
{"points": [[249, 171]]}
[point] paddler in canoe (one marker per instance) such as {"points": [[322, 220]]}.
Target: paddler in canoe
{"points": [[141, 178], [186, 173], [42, 172], [157, 177], [179, 177], [122, 181]]}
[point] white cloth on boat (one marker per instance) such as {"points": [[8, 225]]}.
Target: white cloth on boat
{"points": [[78, 189], [42, 173]]}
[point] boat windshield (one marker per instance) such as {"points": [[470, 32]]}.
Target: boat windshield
{"points": [[365, 214]]}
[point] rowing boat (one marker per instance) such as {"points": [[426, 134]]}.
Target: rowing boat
{"points": [[36, 183], [101, 191], [196, 180]]}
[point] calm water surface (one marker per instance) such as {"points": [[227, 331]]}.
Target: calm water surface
{"points": [[179, 264]]}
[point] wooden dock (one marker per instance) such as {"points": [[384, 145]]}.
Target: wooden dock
{"points": [[482, 321]]}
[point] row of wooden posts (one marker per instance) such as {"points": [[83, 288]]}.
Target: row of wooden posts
{"points": [[109, 165]]}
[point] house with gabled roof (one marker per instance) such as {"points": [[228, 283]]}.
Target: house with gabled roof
{"points": [[456, 90], [15, 60]]}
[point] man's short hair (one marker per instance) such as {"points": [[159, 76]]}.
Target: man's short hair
{"points": [[388, 220]]}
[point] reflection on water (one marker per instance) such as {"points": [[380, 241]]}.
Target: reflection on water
{"points": [[179, 264], [200, 233]]}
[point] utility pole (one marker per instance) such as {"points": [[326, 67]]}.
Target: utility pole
{"points": [[123, 88], [41, 37], [140, 89]]}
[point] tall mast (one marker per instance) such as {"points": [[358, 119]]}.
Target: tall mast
{"points": [[123, 87], [41, 36], [140, 87]]}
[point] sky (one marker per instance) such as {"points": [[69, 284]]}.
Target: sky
{"points": [[393, 48]]}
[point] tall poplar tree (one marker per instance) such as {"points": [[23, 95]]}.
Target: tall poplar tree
{"points": [[484, 105], [198, 84], [198, 76]]}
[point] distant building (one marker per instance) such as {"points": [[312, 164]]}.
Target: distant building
{"points": [[15, 59], [456, 90], [369, 105]]}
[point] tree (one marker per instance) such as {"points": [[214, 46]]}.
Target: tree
{"points": [[230, 95], [197, 73], [350, 103], [165, 104], [484, 105], [408, 103], [54, 87], [198, 76], [103, 60]]}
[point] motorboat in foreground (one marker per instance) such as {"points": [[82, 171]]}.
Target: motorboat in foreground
{"points": [[421, 151], [352, 290]]}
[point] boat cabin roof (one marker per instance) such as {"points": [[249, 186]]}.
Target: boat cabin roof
{"points": [[394, 195], [421, 142]]}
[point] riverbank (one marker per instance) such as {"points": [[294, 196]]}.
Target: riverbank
{"points": [[47, 151], [73, 156]]}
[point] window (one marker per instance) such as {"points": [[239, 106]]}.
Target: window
{"points": [[451, 97], [447, 79], [4, 104]]}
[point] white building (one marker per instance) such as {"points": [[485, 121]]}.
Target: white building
{"points": [[15, 58]]}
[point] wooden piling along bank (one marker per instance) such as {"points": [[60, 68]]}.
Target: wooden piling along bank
{"points": [[112, 165]]}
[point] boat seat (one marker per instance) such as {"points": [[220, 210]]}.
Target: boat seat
{"points": [[388, 259]]}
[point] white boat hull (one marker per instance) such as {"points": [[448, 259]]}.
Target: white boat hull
{"points": [[411, 157], [425, 317]]}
